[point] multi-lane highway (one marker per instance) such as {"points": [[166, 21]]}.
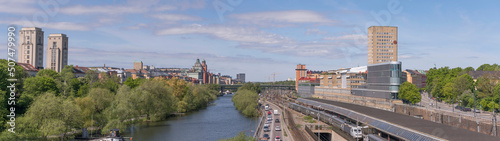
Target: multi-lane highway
{"points": [[273, 133]]}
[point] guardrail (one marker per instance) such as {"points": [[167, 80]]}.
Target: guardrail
{"points": [[256, 135]]}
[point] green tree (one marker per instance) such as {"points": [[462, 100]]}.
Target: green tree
{"points": [[93, 105], [484, 87], [466, 97], [49, 73], [468, 69], [488, 67], [35, 86], [246, 101], [154, 100], [450, 92], [65, 85], [179, 87], [463, 83], [409, 92], [240, 137], [50, 115], [121, 109], [132, 83]]}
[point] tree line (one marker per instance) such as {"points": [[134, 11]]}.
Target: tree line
{"points": [[455, 85], [56, 103], [246, 99]]}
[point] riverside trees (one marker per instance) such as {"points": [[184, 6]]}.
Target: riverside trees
{"points": [[246, 99], [56, 103]]}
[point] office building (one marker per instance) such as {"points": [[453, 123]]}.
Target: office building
{"points": [[241, 77], [138, 65], [57, 52], [382, 44], [382, 81], [415, 77], [31, 46]]}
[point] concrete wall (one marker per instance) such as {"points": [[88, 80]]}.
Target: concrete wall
{"points": [[452, 120]]}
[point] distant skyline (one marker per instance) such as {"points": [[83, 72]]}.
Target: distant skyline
{"points": [[260, 37]]}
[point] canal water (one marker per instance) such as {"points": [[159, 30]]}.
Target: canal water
{"points": [[218, 121]]}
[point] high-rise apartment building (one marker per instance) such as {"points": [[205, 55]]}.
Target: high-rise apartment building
{"points": [[57, 51], [382, 44], [241, 77], [31, 46]]}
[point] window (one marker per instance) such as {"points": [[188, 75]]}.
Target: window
{"points": [[54, 44], [28, 61], [27, 52], [27, 37], [27, 47], [28, 42]]}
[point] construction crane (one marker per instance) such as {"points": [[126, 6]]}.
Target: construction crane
{"points": [[274, 76], [268, 78]]}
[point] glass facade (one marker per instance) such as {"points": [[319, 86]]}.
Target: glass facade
{"points": [[383, 81]]}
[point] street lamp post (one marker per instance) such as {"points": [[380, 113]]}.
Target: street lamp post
{"points": [[318, 121]]}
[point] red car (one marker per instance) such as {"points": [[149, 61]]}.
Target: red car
{"points": [[268, 112]]}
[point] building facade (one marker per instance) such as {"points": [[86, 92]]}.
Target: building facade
{"points": [[300, 72], [382, 81], [382, 44], [31, 46], [241, 77], [341, 81], [138, 65], [415, 77], [57, 52]]}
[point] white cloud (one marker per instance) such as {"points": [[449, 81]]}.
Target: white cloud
{"points": [[239, 34], [82, 10], [17, 7], [137, 26], [51, 25], [165, 8], [175, 17], [315, 31], [293, 16], [347, 37]]}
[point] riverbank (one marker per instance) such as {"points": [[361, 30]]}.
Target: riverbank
{"points": [[218, 121]]}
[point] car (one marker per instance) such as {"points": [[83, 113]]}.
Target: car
{"points": [[269, 118], [459, 108], [277, 128], [277, 120], [266, 129], [266, 125], [266, 136], [466, 109], [477, 111], [268, 112], [277, 138]]}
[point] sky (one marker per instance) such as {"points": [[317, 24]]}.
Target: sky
{"points": [[261, 37]]}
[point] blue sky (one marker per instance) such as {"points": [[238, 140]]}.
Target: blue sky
{"points": [[260, 37]]}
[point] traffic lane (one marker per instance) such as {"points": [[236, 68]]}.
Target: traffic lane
{"points": [[278, 116], [270, 133]]}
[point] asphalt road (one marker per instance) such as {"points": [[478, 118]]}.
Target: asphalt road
{"points": [[272, 126], [431, 104]]}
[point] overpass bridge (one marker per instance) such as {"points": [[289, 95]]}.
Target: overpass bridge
{"points": [[234, 88], [395, 126]]}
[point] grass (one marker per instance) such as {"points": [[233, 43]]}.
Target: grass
{"points": [[309, 119]]}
